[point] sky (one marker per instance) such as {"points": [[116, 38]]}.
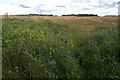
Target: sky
{"points": [[60, 7]]}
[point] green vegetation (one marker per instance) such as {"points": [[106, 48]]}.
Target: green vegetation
{"points": [[81, 15], [47, 49]]}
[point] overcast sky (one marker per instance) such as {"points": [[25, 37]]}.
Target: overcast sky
{"points": [[59, 7]]}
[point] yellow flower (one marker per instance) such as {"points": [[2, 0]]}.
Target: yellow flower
{"points": [[12, 34], [19, 34], [72, 45], [23, 31], [6, 41], [2, 37], [56, 43]]}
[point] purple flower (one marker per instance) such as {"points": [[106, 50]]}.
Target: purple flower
{"points": [[61, 55], [108, 46], [24, 49], [65, 67], [73, 55], [90, 38], [40, 54], [31, 50], [112, 47], [54, 60], [65, 56], [99, 60], [57, 51], [68, 69], [39, 48], [95, 56], [49, 63]]}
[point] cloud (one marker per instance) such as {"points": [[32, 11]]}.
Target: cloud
{"points": [[21, 5], [60, 6]]}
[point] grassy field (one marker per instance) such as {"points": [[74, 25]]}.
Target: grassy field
{"points": [[60, 47]]}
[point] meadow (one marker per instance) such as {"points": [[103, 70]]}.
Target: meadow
{"points": [[60, 47]]}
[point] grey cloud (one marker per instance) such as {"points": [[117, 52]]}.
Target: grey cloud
{"points": [[60, 6], [21, 5]]}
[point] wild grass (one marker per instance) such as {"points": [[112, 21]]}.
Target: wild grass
{"points": [[59, 50]]}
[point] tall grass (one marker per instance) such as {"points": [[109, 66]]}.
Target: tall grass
{"points": [[53, 50]]}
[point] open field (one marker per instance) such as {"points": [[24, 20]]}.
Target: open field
{"points": [[60, 47]]}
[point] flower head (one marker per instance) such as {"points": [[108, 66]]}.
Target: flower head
{"points": [[95, 56], [65, 67], [99, 60], [31, 50], [24, 49], [68, 69], [39, 48], [57, 51], [49, 63], [65, 56]]}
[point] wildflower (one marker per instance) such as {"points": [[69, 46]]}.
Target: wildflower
{"points": [[39, 48], [49, 63], [108, 46], [56, 43], [31, 50], [6, 41], [65, 67], [19, 34], [72, 45], [2, 37], [61, 55], [90, 38], [65, 56], [40, 55], [24, 49], [68, 69], [54, 60], [99, 60], [73, 55], [62, 47], [57, 51], [95, 56], [23, 31]]}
